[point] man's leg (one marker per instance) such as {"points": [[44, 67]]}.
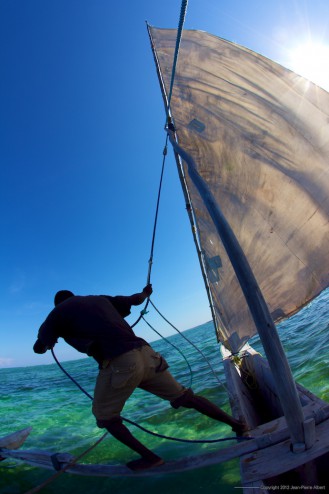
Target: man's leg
{"points": [[164, 385], [206, 407], [115, 383], [120, 432]]}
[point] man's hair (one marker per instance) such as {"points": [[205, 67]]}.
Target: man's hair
{"points": [[62, 295]]}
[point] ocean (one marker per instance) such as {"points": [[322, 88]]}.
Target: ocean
{"points": [[60, 414]]}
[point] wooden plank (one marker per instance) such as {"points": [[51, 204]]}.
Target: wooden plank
{"points": [[15, 440], [272, 438], [317, 410], [278, 458], [309, 432], [35, 458], [43, 459]]}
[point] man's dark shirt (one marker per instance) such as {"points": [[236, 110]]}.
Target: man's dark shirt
{"points": [[93, 324]]}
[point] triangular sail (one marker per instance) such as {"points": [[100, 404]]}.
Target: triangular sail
{"points": [[259, 135]]}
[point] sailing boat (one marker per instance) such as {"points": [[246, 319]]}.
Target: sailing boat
{"points": [[251, 141]]}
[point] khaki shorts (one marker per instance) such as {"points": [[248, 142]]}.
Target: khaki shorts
{"points": [[131, 370]]}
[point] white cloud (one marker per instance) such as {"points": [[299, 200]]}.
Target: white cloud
{"points": [[6, 362]]}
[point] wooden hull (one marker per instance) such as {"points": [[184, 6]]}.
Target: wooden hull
{"points": [[253, 396]]}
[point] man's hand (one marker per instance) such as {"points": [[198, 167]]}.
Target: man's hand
{"points": [[39, 347], [148, 290]]}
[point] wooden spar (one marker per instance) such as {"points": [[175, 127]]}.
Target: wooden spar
{"points": [[276, 357], [266, 438], [45, 459], [253, 452]]}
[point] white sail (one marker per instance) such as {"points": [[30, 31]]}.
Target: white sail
{"points": [[259, 135]]}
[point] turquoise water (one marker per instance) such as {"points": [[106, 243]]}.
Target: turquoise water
{"points": [[44, 398]]}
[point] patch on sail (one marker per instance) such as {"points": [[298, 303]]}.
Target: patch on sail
{"points": [[213, 264], [196, 125]]}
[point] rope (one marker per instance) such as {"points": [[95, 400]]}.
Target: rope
{"points": [[157, 210], [154, 229], [70, 464], [174, 346], [197, 441], [190, 342], [178, 40], [69, 376]]}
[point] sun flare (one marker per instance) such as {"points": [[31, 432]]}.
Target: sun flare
{"points": [[311, 61]]}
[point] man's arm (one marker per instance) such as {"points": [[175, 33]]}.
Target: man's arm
{"points": [[47, 336], [123, 304]]}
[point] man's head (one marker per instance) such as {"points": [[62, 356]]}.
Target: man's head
{"points": [[62, 295]]}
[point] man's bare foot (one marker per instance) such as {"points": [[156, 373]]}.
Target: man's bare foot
{"points": [[240, 428]]}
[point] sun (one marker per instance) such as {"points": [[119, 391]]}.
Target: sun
{"points": [[310, 59]]}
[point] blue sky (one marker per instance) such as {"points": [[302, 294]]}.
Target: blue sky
{"points": [[81, 141]]}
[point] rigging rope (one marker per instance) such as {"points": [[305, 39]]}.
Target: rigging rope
{"points": [[143, 312], [178, 40], [174, 346], [165, 150], [154, 228], [190, 342]]}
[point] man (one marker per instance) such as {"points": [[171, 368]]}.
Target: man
{"points": [[95, 325]]}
